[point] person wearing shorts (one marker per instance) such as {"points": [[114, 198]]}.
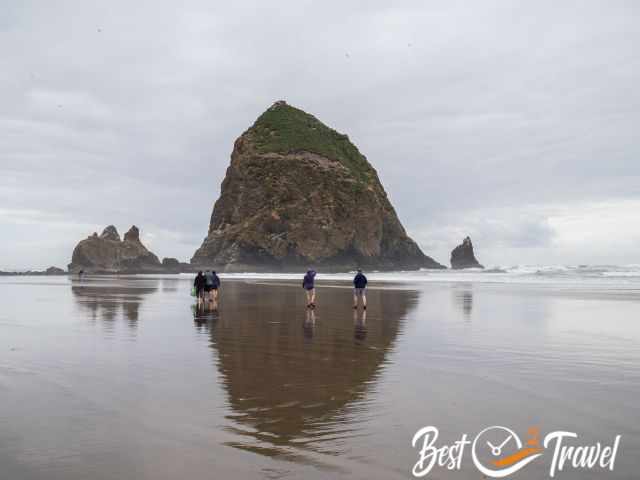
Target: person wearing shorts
{"points": [[200, 283], [308, 283], [359, 287], [212, 285]]}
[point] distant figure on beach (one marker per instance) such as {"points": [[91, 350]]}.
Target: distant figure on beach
{"points": [[212, 284], [80, 274], [199, 283], [308, 283], [359, 287]]}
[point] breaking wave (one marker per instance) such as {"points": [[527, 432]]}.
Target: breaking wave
{"points": [[609, 275]]}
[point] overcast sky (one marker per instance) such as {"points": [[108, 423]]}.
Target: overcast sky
{"points": [[513, 122]]}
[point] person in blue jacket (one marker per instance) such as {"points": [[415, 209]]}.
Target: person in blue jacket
{"points": [[212, 284], [359, 287], [308, 283]]}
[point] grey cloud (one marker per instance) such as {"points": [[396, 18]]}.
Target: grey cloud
{"points": [[126, 112], [500, 236]]}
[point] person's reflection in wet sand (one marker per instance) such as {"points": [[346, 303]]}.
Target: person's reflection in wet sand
{"points": [[213, 303], [309, 324], [204, 315], [105, 298], [359, 325]]}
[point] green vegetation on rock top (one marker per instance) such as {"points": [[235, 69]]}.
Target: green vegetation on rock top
{"points": [[286, 129]]}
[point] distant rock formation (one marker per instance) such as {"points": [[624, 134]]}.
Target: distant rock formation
{"points": [[168, 262], [173, 265], [48, 271], [462, 256], [108, 254], [54, 271], [298, 194]]}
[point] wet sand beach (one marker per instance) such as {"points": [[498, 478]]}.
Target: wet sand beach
{"points": [[114, 378]]}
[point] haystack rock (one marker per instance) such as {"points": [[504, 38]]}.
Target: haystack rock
{"points": [[463, 257], [108, 254], [298, 194]]}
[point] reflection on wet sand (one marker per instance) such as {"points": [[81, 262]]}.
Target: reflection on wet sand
{"points": [[195, 394], [292, 390], [205, 314], [105, 298], [309, 324], [360, 324], [463, 297]]}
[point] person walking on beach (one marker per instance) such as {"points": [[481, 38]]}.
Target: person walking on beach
{"points": [[212, 284], [308, 283], [359, 287], [199, 284]]}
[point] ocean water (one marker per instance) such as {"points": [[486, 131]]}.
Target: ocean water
{"points": [[600, 280], [125, 377], [624, 274]]}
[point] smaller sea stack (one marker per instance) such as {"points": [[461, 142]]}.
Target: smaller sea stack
{"points": [[463, 257]]}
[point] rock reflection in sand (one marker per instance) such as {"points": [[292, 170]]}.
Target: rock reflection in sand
{"points": [[108, 299], [290, 388], [463, 298]]}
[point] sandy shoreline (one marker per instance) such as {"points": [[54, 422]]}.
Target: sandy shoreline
{"points": [[112, 377]]}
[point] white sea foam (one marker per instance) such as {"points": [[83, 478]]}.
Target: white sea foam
{"points": [[593, 275], [621, 278]]}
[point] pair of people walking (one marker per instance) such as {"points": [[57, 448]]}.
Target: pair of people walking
{"points": [[359, 289], [207, 285]]}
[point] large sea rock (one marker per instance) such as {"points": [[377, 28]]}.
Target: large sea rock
{"points": [[296, 194], [107, 253], [463, 257]]}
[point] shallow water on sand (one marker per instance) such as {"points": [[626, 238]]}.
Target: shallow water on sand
{"points": [[116, 378]]}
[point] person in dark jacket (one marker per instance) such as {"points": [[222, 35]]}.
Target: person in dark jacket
{"points": [[359, 287], [308, 283], [199, 284], [212, 285]]}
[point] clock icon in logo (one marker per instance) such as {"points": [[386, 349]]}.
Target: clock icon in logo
{"points": [[498, 451]]}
